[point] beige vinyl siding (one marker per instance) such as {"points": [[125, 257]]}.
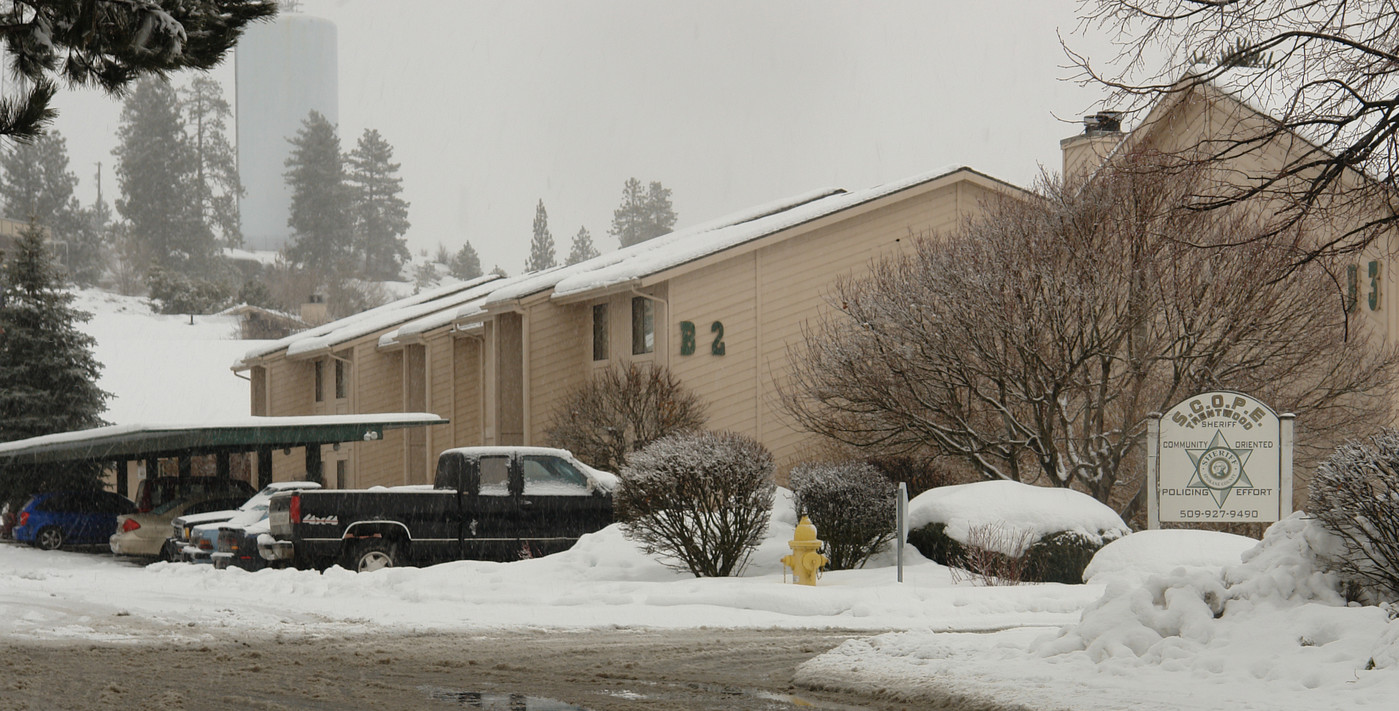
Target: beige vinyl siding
{"points": [[557, 364], [764, 297], [439, 395], [289, 389], [466, 407], [380, 390], [722, 292]]}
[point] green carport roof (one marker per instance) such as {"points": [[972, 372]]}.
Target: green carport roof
{"points": [[244, 434]]}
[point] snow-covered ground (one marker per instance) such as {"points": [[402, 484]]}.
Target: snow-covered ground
{"points": [[164, 368], [1148, 639], [1172, 619]]}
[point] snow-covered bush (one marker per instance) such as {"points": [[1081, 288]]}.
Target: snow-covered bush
{"points": [[1355, 495], [852, 505], [1063, 527], [701, 500]]}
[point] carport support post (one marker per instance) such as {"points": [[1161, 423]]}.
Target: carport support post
{"points": [[221, 467], [152, 467], [313, 463], [122, 468], [264, 467], [186, 469]]}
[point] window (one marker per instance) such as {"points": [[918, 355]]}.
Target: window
{"points": [[495, 475], [551, 475], [643, 326], [600, 332], [320, 379], [342, 379]]}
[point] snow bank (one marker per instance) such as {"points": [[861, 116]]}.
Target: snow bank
{"points": [[1019, 508], [1270, 632], [1143, 554], [1277, 616]]}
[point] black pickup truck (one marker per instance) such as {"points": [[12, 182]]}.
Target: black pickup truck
{"points": [[488, 503]]}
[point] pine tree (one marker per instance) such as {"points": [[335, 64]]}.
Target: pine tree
{"points": [[216, 183], [156, 169], [465, 263], [48, 375], [642, 215], [583, 248], [660, 214], [321, 202], [108, 44], [381, 216], [541, 248], [36, 182]]}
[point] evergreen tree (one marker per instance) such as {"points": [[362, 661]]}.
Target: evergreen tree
{"points": [[36, 182], [48, 375], [465, 263], [660, 214], [583, 248], [321, 216], [108, 44], [380, 215], [216, 184], [156, 173], [87, 242], [541, 248], [643, 214]]}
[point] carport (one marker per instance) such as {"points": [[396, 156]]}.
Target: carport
{"points": [[120, 445]]}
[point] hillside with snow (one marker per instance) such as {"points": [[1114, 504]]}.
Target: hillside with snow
{"points": [[164, 368]]}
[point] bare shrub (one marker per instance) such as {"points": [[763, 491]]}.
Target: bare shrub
{"points": [[994, 554], [1355, 495], [622, 410], [700, 500], [852, 506]]}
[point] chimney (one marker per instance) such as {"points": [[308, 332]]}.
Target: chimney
{"points": [[313, 312], [1086, 151]]}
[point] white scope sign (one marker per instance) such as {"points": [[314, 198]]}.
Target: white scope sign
{"points": [[1221, 457]]}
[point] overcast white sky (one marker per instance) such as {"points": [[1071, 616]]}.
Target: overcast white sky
{"points": [[491, 106]]}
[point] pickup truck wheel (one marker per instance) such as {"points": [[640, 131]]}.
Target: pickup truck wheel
{"points": [[372, 554]]}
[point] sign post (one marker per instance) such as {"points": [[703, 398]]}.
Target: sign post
{"points": [[1219, 457]]}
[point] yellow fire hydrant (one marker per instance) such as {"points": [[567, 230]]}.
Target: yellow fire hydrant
{"points": [[804, 561]]}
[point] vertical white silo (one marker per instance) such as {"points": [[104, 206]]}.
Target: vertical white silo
{"points": [[285, 69]]}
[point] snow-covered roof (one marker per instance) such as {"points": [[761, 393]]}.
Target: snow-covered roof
{"points": [[418, 315], [336, 332], [545, 280], [679, 248], [390, 419]]}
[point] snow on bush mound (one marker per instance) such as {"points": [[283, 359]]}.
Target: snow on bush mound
{"points": [[1143, 554], [1021, 509], [1276, 616]]}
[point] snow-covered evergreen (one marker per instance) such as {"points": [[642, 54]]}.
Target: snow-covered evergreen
{"points": [[48, 375]]}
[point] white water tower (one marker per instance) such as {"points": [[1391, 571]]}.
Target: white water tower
{"points": [[285, 69]]}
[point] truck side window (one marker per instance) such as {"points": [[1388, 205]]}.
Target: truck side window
{"points": [[495, 476], [551, 475]]}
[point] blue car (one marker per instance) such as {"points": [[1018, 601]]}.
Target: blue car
{"points": [[56, 519]]}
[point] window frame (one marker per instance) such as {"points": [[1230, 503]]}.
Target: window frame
{"points": [[643, 326], [342, 379], [600, 333]]}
